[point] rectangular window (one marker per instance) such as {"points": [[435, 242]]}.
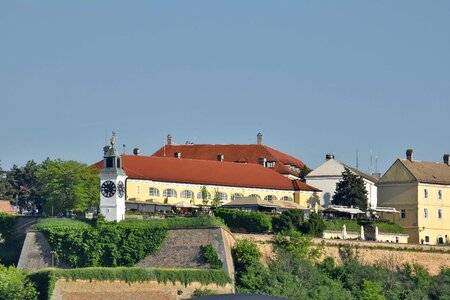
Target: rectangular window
{"points": [[425, 193], [425, 213], [138, 189], [439, 213], [403, 213], [440, 194]]}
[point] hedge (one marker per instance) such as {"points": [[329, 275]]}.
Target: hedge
{"points": [[45, 279], [355, 225], [245, 221]]}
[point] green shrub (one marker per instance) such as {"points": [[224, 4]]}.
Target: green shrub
{"points": [[336, 224], [245, 254], [314, 226], [203, 292], [15, 285], [211, 257], [244, 221]]}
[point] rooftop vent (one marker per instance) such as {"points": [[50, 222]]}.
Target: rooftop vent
{"points": [[220, 157], [177, 155], [136, 151]]}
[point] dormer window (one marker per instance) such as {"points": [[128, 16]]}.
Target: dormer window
{"points": [[270, 164]]}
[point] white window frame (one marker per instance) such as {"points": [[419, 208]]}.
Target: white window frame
{"points": [[153, 192], [187, 194], [236, 196], [221, 196], [270, 197], [169, 193], [199, 195], [286, 198]]}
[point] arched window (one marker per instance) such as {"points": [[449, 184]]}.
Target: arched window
{"points": [[270, 198], [255, 195], [236, 196], [170, 193], [427, 239], [221, 196], [440, 240], [199, 195], [153, 192], [286, 198], [187, 194]]}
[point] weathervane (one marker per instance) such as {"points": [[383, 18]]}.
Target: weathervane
{"points": [[113, 141]]}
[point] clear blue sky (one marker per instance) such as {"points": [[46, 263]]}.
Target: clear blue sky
{"points": [[312, 76]]}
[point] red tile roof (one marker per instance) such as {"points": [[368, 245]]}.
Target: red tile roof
{"points": [[5, 207], [179, 170], [234, 153]]}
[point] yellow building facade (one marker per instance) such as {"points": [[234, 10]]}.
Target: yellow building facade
{"points": [[421, 192], [172, 193]]}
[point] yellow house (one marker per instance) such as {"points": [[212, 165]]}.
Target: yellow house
{"points": [[421, 192], [174, 180]]}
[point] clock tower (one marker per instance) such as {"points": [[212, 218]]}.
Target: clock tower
{"points": [[112, 185]]}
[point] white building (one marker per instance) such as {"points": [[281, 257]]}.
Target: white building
{"points": [[326, 176]]}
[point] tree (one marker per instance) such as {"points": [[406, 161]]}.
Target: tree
{"points": [[303, 172], [350, 191], [3, 183], [68, 185], [204, 192], [22, 186], [314, 226]]}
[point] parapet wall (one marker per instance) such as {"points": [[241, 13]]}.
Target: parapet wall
{"points": [[118, 290]]}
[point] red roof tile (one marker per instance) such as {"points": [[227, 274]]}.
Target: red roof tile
{"points": [[208, 172], [234, 153], [5, 207]]}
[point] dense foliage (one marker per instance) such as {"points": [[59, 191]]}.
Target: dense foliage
{"points": [[15, 285], [211, 257], [350, 191], [244, 221], [10, 245], [108, 245], [54, 186], [295, 273], [293, 219], [45, 279]]}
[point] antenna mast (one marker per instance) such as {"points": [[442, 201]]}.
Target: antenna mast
{"points": [[357, 159]]}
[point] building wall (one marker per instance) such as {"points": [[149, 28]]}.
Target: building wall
{"points": [[139, 190], [399, 189], [433, 226], [328, 187]]}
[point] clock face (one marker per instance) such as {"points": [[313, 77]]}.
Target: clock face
{"points": [[108, 189], [120, 189]]}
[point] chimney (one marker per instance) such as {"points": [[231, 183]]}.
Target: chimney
{"points": [[177, 154], [220, 157], [136, 151], [169, 139], [446, 159], [262, 161], [259, 138], [329, 156], [409, 153]]}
